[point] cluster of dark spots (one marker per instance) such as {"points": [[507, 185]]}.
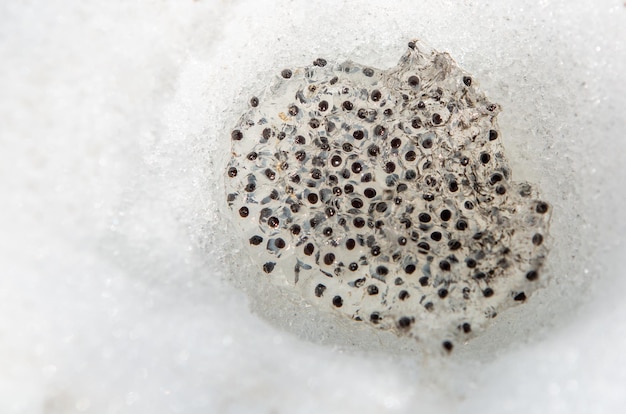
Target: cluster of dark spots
{"points": [[364, 198]]}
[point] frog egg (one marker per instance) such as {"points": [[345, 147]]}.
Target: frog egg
{"points": [[386, 195]]}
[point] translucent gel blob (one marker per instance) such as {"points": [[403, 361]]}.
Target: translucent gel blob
{"points": [[386, 195]]}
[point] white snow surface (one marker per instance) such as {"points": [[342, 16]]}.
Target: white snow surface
{"points": [[122, 289]]}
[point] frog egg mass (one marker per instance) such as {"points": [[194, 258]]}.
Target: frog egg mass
{"points": [[386, 195]]}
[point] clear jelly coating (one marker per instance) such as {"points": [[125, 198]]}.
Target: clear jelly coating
{"points": [[386, 195]]}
